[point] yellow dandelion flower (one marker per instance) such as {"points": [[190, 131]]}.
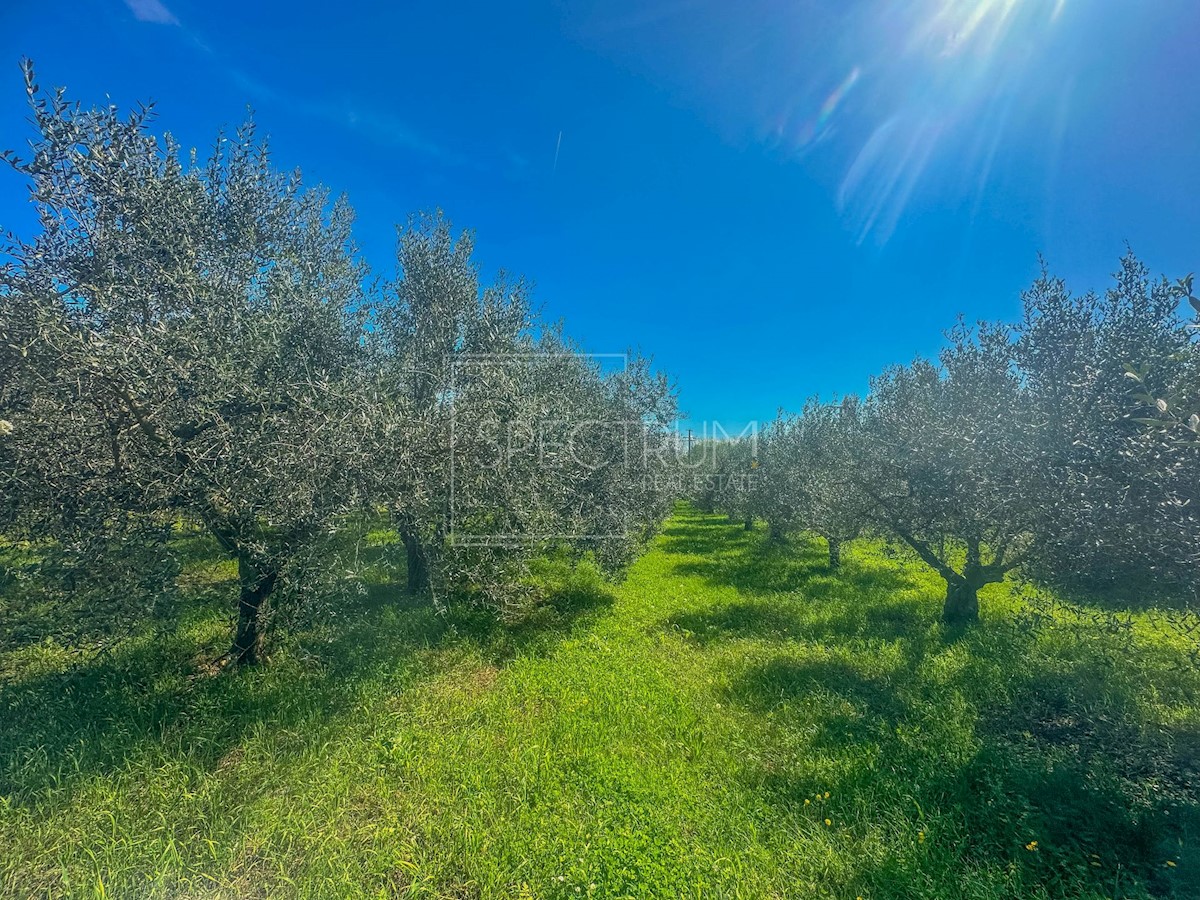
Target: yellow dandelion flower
{"points": [[807, 801], [830, 822], [827, 795], [1032, 845], [921, 837]]}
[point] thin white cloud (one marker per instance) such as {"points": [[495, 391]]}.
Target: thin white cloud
{"points": [[151, 11]]}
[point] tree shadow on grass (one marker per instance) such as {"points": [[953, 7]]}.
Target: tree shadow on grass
{"points": [[566, 608], [754, 564], [740, 620], [1078, 766], [996, 736], [1062, 757], [696, 535], [760, 567], [776, 619], [150, 695], [856, 706]]}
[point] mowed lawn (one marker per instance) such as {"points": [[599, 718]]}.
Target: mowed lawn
{"points": [[731, 720]]}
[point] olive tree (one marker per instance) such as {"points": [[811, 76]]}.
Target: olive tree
{"points": [[732, 471], [944, 464], [1121, 498], [701, 463], [809, 466], [180, 342], [549, 450], [437, 319]]}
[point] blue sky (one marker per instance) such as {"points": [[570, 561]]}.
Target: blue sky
{"points": [[775, 199]]}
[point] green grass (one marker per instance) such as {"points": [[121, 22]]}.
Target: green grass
{"points": [[731, 720]]}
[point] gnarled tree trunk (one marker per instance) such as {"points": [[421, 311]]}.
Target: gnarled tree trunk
{"points": [[256, 581], [962, 602], [835, 552], [962, 591], [418, 565]]}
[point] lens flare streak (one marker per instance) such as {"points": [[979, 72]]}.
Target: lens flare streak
{"points": [[935, 85], [817, 128]]}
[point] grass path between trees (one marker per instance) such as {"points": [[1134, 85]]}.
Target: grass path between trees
{"points": [[732, 720]]}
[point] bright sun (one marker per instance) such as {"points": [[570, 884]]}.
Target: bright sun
{"points": [[931, 72]]}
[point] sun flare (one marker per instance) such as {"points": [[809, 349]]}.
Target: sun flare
{"points": [[926, 76]]}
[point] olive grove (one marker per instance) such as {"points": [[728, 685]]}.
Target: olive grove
{"points": [[1052, 446], [196, 343]]}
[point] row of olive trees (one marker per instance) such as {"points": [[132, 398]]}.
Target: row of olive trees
{"points": [[1022, 447], [492, 432], [190, 343]]}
